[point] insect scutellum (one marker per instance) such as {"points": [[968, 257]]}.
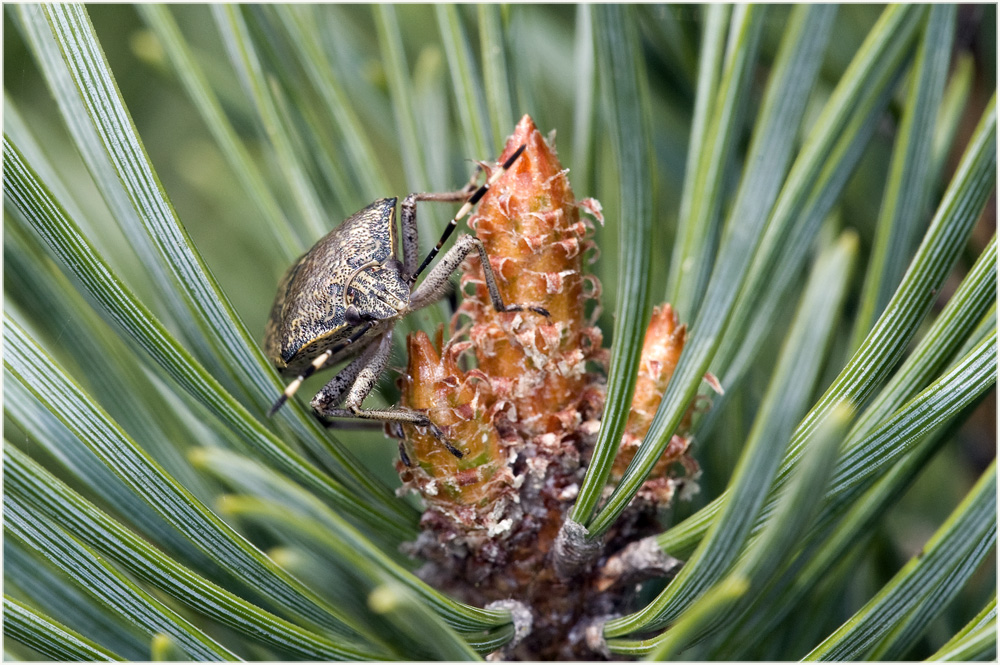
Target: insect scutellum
{"points": [[342, 298]]}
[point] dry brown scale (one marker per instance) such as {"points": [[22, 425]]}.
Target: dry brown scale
{"points": [[521, 396]]}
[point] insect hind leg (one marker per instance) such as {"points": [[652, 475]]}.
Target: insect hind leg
{"points": [[357, 380], [334, 392], [399, 416], [318, 363]]}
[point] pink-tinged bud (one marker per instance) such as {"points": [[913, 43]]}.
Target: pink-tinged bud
{"points": [[530, 225], [660, 352], [461, 405]]}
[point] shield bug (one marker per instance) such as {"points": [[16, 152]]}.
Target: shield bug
{"points": [[343, 298]]}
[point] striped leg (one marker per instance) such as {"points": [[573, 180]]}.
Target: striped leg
{"points": [[332, 394], [408, 220], [316, 365], [462, 212]]}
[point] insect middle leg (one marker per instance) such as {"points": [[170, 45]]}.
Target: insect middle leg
{"points": [[437, 280]]}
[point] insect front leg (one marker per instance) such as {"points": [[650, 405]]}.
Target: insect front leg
{"points": [[437, 281], [408, 221], [478, 194]]}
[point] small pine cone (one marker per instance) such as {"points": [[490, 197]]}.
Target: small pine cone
{"points": [[530, 225], [526, 417], [462, 405], [660, 352]]}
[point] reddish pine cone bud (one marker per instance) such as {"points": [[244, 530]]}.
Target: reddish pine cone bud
{"points": [[462, 406], [530, 225], [660, 352]]}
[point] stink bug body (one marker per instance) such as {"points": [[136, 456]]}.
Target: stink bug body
{"points": [[343, 298]]}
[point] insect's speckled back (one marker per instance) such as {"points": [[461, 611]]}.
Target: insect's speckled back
{"points": [[308, 312]]}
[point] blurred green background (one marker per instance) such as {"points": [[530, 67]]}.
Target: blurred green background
{"points": [[230, 233]]}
